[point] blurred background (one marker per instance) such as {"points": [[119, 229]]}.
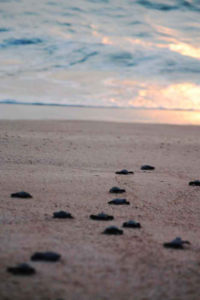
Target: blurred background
{"points": [[101, 53]]}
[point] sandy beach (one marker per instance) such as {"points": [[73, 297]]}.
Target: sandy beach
{"points": [[70, 165]]}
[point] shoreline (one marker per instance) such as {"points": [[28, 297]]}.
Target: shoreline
{"points": [[118, 115], [70, 166]]}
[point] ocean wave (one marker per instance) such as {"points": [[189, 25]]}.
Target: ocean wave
{"points": [[182, 4], [157, 6], [55, 104], [84, 58], [122, 58], [3, 29], [20, 42], [49, 45]]}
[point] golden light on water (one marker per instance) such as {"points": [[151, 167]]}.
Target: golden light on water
{"points": [[174, 43], [187, 94], [169, 39], [106, 41], [139, 42], [174, 96], [185, 49], [171, 117], [165, 30]]}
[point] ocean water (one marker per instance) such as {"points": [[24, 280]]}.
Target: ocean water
{"points": [[101, 53]]}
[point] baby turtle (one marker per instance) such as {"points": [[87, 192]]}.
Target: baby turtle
{"points": [[117, 190], [113, 230], [119, 201], [147, 168], [101, 217], [131, 224], [62, 215], [124, 172], [21, 269], [21, 194], [45, 256], [177, 243], [195, 183]]}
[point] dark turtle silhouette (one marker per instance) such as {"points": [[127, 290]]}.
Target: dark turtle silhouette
{"points": [[177, 243], [147, 168], [45, 256], [117, 190], [113, 230], [131, 224], [124, 172], [21, 194], [21, 269], [195, 183], [101, 217], [119, 201], [62, 215]]}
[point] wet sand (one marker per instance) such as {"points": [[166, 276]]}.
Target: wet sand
{"points": [[70, 165], [105, 114]]}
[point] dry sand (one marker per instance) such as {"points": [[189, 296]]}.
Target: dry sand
{"points": [[70, 165]]}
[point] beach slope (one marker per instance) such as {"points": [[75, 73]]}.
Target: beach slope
{"points": [[70, 166]]}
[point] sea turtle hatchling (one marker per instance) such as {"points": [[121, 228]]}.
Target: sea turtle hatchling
{"points": [[21, 269], [113, 230], [45, 256], [22, 194], [194, 183], [62, 215], [147, 168], [116, 190], [131, 224], [177, 243], [118, 201], [124, 172], [101, 217]]}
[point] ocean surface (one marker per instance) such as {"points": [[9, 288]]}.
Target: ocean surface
{"points": [[101, 53]]}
